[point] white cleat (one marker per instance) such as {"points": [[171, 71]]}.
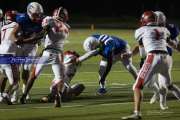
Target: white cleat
{"points": [[163, 107], [14, 99], [28, 98], [153, 99], [132, 117]]}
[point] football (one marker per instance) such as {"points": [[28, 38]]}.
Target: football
{"points": [[44, 99]]}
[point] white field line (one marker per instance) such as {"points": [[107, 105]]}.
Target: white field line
{"points": [[152, 112], [119, 84], [68, 106], [89, 84], [47, 74], [120, 71]]}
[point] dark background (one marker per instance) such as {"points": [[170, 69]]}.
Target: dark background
{"points": [[113, 10]]}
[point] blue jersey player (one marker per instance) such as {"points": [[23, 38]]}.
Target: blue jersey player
{"points": [[111, 49], [31, 32], [174, 33]]}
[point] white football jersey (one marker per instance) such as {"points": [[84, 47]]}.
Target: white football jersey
{"points": [[8, 45], [57, 33], [153, 37]]}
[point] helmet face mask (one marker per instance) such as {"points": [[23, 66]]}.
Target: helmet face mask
{"points": [[148, 18], [35, 11], [61, 14]]}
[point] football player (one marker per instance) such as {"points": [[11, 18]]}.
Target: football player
{"points": [[154, 39], [8, 48], [174, 32], [70, 68], [56, 31], [111, 49], [157, 86], [31, 32], [2, 77]]}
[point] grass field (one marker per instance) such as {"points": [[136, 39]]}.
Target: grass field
{"points": [[88, 106]]}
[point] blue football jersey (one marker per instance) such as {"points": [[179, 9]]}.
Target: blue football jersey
{"points": [[174, 32], [27, 25], [110, 44]]}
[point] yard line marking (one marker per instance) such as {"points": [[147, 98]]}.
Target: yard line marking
{"points": [[120, 71], [68, 106], [89, 84], [116, 87], [119, 84], [123, 103], [47, 74]]}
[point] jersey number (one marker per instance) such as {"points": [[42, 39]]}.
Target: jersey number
{"points": [[157, 34], [3, 32]]}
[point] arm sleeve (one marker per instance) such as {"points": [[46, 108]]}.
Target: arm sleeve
{"points": [[20, 18], [138, 34], [88, 55]]}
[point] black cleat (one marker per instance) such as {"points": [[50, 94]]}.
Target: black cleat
{"points": [[57, 101], [22, 100], [7, 100]]}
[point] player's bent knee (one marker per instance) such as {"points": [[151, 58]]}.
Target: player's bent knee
{"points": [[163, 90]]}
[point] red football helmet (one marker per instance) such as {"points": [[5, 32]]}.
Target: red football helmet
{"points": [[10, 16], [61, 14], [148, 18]]}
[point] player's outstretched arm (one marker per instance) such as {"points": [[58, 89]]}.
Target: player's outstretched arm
{"points": [[88, 55], [32, 39]]}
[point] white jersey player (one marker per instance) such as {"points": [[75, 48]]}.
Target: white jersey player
{"points": [[154, 39], [8, 48], [70, 69], [1, 72], [158, 85], [57, 32]]}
